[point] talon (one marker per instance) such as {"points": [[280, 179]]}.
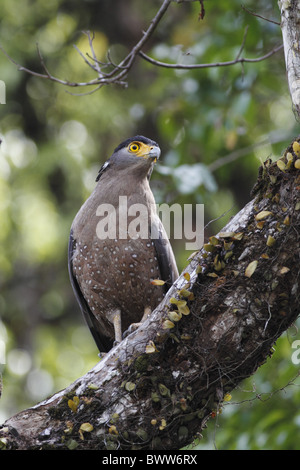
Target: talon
{"points": [[131, 329]]}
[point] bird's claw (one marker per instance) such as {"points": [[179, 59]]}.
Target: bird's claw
{"points": [[131, 329]]}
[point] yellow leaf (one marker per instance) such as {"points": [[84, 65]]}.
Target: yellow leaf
{"points": [[260, 224], [73, 404], [212, 275], [238, 236], [228, 255], [281, 165], [296, 148], [86, 427], [76, 400], [226, 234], [251, 268], [287, 220], [163, 424], [227, 397], [167, 325], [262, 215], [174, 316], [92, 386], [297, 164], [213, 240], [163, 390], [218, 266], [129, 386], [284, 270], [187, 276], [228, 245], [157, 282], [184, 293], [113, 430], [151, 348], [270, 240], [182, 307], [208, 247]]}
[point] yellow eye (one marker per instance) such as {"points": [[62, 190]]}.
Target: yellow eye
{"points": [[134, 147]]}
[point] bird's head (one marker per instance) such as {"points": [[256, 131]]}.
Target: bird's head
{"points": [[136, 152], [138, 147]]}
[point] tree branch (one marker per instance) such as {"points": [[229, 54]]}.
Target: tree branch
{"points": [[215, 327], [118, 72], [237, 60], [259, 16]]}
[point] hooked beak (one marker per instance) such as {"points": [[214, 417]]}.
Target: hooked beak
{"points": [[154, 153]]}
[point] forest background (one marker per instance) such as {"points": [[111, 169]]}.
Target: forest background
{"points": [[214, 125]]}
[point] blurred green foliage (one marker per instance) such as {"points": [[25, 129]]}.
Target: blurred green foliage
{"points": [[54, 143]]}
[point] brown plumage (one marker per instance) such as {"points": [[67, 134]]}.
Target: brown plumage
{"points": [[111, 276]]}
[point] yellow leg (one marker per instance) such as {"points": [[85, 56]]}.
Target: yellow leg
{"points": [[115, 318], [147, 312]]}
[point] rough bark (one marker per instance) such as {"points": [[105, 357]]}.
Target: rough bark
{"points": [[290, 23], [158, 388]]}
